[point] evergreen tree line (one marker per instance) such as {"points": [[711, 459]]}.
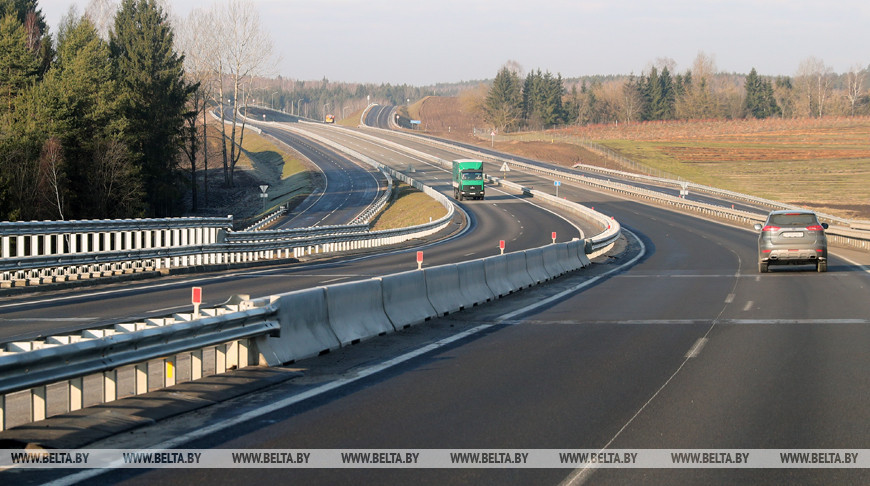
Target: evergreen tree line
{"points": [[699, 93], [310, 98], [90, 128], [536, 101]]}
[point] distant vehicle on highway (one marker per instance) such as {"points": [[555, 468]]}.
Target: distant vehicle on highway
{"points": [[468, 179], [330, 119], [792, 237]]}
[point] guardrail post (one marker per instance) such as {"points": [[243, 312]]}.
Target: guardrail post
{"points": [[169, 371], [244, 347], [140, 379], [232, 355], [220, 359], [37, 403], [76, 393], [110, 386], [196, 364]]}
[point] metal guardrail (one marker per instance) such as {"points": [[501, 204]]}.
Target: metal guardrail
{"points": [[121, 250], [851, 235], [59, 362], [268, 219], [47, 362], [373, 209]]}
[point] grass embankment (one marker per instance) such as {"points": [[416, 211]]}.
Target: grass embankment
{"points": [[408, 207], [289, 179], [823, 164]]}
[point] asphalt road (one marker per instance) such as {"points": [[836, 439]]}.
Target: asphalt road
{"points": [[678, 343], [520, 222]]}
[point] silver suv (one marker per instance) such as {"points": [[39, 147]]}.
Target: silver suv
{"points": [[792, 237]]}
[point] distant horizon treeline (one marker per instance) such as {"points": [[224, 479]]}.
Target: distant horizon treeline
{"points": [[541, 100]]}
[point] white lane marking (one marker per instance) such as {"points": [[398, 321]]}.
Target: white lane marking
{"points": [[696, 348], [166, 309], [287, 402], [688, 322], [326, 387], [748, 305], [729, 299], [528, 308]]}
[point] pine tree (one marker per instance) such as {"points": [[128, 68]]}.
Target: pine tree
{"points": [[651, 90], [84, 112], [19, 67], [760, 101], [153, 96], [669, 98], [503, 104]]}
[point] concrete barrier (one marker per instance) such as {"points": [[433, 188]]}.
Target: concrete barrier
{"points": [[495, 270], [406, 302], [472, 283], [568, 262], [535, 265], [442, 286], [552, 264], [356, 310], [578, 247], [517, 274], [305, 329]]}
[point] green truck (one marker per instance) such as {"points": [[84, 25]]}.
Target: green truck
{"points": [[468, 179]]}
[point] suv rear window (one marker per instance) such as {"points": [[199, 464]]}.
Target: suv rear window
{"points": [[793, 219]]}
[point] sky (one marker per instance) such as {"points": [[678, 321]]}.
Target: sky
{"points": [[421, 43]]}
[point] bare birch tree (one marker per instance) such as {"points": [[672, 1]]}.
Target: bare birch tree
{"points": [[855, 79], [102, 14], [51, 177], [242, 51], [814, 80], [195, 41]]}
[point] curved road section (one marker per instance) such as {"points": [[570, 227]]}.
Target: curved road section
{"points": [[349, 187], [677, 344]]}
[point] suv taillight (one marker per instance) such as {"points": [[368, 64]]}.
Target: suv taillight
{"points": [[815, 227], [770, 228]]}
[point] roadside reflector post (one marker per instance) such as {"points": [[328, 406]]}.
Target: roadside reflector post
{"points": [[501, 246], [553, 236], [419, 260], [196, 300]]}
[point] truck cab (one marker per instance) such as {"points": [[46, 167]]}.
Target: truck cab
{"points": [[468, 179]]}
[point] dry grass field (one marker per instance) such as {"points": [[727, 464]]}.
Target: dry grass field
{"points": [[819, 163], [823, 164]]}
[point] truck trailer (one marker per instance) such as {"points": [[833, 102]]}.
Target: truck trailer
{"points": [[468, 179]]}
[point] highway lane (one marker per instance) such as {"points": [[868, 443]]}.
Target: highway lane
{"points": [[379, 116], [350, 187], [783, 366], [670, 189], [349, 190], [517, 221], [616, 366]]}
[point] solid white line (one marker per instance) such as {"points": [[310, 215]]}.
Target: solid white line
{"points": [[696, 348], [326, 387], [531, 307], [266, 409]]}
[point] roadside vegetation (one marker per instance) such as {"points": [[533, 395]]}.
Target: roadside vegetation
{"points": [[409, 207], [290, 178]]}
